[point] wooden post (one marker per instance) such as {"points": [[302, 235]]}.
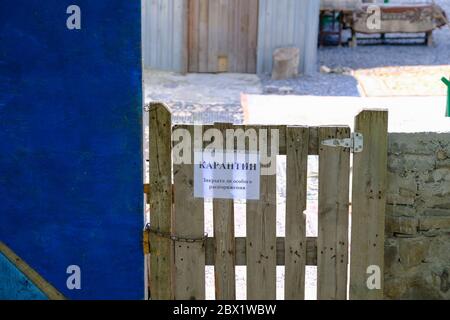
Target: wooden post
{"points": [[332, 241], [161, 260], [369, 204], [354, 41], [297, 144]]}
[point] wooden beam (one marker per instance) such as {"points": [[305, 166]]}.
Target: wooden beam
{"points": [[313, 147]]}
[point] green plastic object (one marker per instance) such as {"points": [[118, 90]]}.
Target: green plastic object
{"points": [[447, 83]]}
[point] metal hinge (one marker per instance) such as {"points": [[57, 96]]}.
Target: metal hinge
{"points": [[355, 143]]}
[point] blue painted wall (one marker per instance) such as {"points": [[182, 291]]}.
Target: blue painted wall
{"points": [[70, 143]]}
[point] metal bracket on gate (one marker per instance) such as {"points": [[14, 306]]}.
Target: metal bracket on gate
{"points": [[355, 143]]}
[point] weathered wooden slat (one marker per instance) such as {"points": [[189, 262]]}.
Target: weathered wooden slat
{"points": [[368, 203], [147, 192], [224, 271], [241, 251], [261, 239], [214, 30], [332, 242], [161, 258], [188, 223], [281, 130], [313, 148], [297, 142]]}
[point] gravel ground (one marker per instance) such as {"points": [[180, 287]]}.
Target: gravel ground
{"points": [[191, 112], [317, 84], [202, 98]]}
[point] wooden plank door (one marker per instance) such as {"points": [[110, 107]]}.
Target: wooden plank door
{"points": [[222, 35]]}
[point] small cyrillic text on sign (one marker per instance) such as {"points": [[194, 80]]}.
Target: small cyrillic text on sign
{"points": [[227, 175]]}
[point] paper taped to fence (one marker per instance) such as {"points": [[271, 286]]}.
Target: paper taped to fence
{"points": [[227, 175]]}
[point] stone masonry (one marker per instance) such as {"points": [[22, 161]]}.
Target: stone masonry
{"points": [[417, 248]]}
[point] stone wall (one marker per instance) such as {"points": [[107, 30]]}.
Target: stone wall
{"points": [[417, 251]]}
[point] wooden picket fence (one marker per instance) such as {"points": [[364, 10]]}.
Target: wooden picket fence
{"points": [[177, 265]]}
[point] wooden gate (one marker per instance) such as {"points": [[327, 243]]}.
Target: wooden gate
{"points": [[179, 250], [223, 35]]}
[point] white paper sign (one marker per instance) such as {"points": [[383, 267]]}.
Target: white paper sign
{"points": [[227, 175]]}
